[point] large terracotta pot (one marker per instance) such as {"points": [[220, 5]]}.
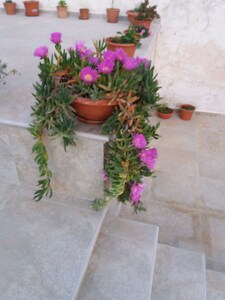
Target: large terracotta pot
{"points": [[62, 12], [84, 14], [10, 8], [186, 112], [93, 111], [128, 48], [112, 15], [31, 8]]}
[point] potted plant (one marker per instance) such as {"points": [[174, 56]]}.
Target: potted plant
{"points": [[84, 14], [145, 14], [129, 40], [10, 7], [164, 111], [129, 83], [186, 111], [112, 13], [31, 8], [62, 9]]}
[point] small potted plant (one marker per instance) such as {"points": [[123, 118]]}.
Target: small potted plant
{"points": [[112, 13], [145, 14], [164, 111], [31, 8], [128, 41], [186, 111], [62, 9], [10, 7], [84, 14]]}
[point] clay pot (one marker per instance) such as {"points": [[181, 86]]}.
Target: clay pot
{"points": [[93, 111], [112, 15], [31, 8], [164, 115], [128, 48], [131, 15], [146, 24], [84, 14], [10, 8], [62, 12], [186, 112]]}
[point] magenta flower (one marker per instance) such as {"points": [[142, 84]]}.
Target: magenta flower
{"points": [[56, 37], [135, 192], [41, 51], [130, 64], [120, 55], [88, 75], [148, 157], [94, 60], [80, 46], [106, 66], [69, 49], [109, 55], [104, 175], [139, 141]]}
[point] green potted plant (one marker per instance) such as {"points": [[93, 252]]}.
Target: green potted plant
{"points": [[10, 7], [144, 14], [31, 8], [129, 40], [164, 111], [186, 111], [62, 11], [112, 13], [129, 83]]}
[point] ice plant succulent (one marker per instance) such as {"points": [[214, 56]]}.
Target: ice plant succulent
{"points": [[81, 72]]}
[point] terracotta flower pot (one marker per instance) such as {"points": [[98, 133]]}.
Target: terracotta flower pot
{"points": [[128, 48], [62, 12], [31, 8], [84, 14], [164, 115], [93, 111], [112, 15], [186, 112], [146, 24], [10, 8], [131, 15]]}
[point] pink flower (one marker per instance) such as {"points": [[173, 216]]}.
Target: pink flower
{"points": [[104, 175], [106, 66], [130, 63], [139, 141], [120, 55], [135, 192], [41, 51], [83, 50], [56, 37], [142, 32], [109, 55], [148, 157], [94, 60], [69, 49], [88, 75]]}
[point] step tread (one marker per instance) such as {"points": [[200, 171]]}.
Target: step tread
{"points": [[122, 263], [179, 274], [215, 281]]}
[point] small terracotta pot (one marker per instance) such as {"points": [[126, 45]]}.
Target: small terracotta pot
{"points": [[93, 111], [84, 14], [185, 113], [131, 15], [128, 48], [62, 12], [31, 8], [146, 24], [10, 8], [112, 15], [165, 115]]}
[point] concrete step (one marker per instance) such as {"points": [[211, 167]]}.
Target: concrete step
{"points": [[122, 263], [44, 246], [179, 275], [215, 285]]}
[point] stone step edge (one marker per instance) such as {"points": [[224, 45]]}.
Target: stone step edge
{"points": [[89, 254]]}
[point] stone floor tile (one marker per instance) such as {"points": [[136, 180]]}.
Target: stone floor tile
{"points": [[8, 170], [215, 281], [212, 165], [212, 194], [43, 248], [179, 274], [215, 295], [175, 189]]}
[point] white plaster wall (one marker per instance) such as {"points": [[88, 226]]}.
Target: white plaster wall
{"points": [[190, 54]]}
